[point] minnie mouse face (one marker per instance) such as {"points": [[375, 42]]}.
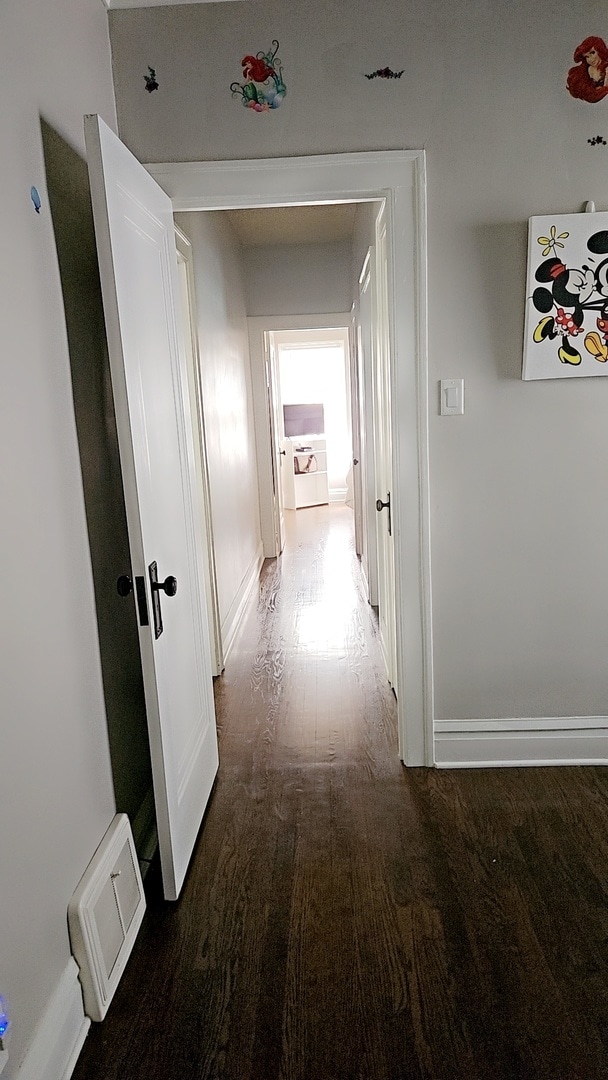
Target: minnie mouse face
{"points": [[570, 288]]}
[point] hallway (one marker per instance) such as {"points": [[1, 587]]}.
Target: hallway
{"points": [[345, 918]]}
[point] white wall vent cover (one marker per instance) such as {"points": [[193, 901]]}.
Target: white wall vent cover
{"points": [[104, 916]]}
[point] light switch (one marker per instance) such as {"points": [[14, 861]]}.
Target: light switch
{"points": [[452, 397]]}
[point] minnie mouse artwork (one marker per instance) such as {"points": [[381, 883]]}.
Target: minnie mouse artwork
{"points": [[566, 332]]}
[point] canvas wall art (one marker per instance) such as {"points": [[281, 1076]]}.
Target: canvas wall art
{"points": [[566, 321]]}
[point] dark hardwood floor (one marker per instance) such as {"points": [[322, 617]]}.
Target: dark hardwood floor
{"points": [[345, 918]]}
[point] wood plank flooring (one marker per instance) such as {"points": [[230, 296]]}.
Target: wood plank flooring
{"points": [[348, 919]]}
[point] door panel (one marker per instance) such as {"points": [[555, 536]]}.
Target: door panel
{"points": [[276, 436], [355, 425], [385, 490], [138, 266], [365, 368]]}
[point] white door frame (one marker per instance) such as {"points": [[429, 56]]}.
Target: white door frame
{"points": [[275, 423], [357, 436], [382, 423], [188, 303], [398, 176], [318, 334], [365, 372], [268, 480]]}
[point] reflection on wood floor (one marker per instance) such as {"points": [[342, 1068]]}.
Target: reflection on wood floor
{"points": [[348, 919]]}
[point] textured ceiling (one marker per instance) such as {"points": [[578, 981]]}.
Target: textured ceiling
{"points": [[294, 224]]}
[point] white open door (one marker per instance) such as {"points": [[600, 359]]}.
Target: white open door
{"points": [[365, 380], [383, 455], [277, 435], [355, 428], [138, 267]]}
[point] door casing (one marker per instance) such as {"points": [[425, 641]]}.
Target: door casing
{"points": [[259, 326], [187, 296], [365, 371], [310, 337], [399, 176], [383, 464], [277, 433]]}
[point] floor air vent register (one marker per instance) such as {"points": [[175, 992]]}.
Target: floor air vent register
{"points": [[104, 916]]}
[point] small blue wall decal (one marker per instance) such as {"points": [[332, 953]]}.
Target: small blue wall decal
{"points": [[263, 88], [150, 80], [35, 197], [598, 140], [385, 73], [4, 1020]]}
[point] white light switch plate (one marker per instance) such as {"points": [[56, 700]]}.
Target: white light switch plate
{"points": [[452, 397]]}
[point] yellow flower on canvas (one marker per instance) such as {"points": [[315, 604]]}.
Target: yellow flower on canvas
{"points": [[552, 241]]}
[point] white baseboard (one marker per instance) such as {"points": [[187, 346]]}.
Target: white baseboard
{"points": [[337, 495], [58, 1039], [232, 622], [547, 740], [364, 580]]}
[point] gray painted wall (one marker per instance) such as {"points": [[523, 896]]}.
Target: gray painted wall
{"points": [[56, 797], [297, 279], [519, 521]]}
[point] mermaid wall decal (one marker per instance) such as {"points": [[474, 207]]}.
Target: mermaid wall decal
{"points": [[263, 87]]}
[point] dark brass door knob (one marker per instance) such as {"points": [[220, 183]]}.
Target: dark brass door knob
{"points": [[380, 506], [124, 585], [168, 586]]}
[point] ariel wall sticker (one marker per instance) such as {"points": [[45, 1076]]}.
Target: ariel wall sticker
{"points": [[566, 324], [263, 87], [588, 79]]}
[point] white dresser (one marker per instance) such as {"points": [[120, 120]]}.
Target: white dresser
{"points": [[304, 473]]}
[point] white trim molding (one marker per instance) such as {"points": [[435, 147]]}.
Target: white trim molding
{"points": [[546, 740], [398, 177], [59, 1037], [115, 5]]}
